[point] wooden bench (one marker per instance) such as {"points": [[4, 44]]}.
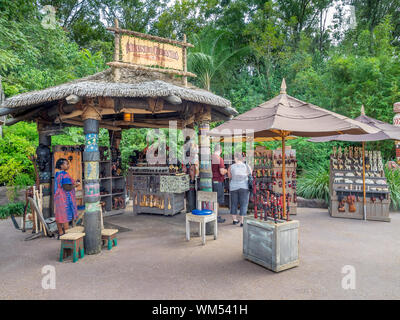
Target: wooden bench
{"points": [[75, 230], [72, 242], [109, 236]]}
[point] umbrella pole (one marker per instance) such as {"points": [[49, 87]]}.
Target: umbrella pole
{"points": [[364, 192], [284, 177]]}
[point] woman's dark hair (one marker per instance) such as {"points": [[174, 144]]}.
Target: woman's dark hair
{"points": [[60, 162]]}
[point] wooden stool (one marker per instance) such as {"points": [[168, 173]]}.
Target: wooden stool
{"points": [[75, 230], [202, 220], [73, 242], [109, 235]]}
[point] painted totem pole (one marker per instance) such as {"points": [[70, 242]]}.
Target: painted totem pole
{"points": [[205, 161], [44, 164], [91, 158]]}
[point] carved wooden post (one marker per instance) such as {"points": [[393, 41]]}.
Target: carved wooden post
{"points": [[205, 159], [91, 158], [115, 140], [44, 163]]}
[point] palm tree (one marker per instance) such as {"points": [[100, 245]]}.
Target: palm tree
{"points": [[210, 58]]}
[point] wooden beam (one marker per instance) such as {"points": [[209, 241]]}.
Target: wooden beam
{"points": [[106, 102], [153, 125], [79, 123], [116, 64], [204, 115], [53, 132], [64, 108], [6, 111], [137, 124], [189, 120], [63, 117], [12, 121], [150, 37], [128, 103], [155, 105], [105, 111], [159, 116], [161, 122], [141, 111]]}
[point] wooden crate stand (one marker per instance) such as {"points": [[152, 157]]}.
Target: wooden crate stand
{"points": [[274, 246]]}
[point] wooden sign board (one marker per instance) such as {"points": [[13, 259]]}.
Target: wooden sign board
{"points": [[145, 52]]}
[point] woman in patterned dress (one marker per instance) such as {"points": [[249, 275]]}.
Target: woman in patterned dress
{"points": [[64, 196]]}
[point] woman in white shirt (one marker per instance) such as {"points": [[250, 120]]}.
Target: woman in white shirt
{"points": [[238, 187]]}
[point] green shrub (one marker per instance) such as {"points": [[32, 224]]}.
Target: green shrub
{"points": [[15, 208], [314, 183], [23, 180], [393, 180]]}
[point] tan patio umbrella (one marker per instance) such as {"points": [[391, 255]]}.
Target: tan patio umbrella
{"points": [[285, 116], [386, 132], [258, 139]]}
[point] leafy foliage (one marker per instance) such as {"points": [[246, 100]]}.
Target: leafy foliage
{"points": [[314, 183], [14, 161], [211, 57], [15, 208], [393, 180]]}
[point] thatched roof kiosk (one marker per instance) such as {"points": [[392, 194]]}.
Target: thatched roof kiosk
{"points": [[153, 98], [131, 94]]}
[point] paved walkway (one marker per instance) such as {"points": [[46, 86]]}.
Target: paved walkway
{"points": [[153, 261]]}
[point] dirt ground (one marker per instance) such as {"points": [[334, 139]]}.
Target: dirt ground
{"points": [[153, 261]]}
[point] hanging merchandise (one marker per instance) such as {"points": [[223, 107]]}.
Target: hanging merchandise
{"points": [[267, 195], [160, 188], [346, 185]]}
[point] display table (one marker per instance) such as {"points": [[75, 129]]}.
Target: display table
{"points": [[154, 190]]}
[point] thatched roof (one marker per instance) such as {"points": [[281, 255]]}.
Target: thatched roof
{"points": [[132, 84]]}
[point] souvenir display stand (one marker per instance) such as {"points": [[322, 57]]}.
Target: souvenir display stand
{"points": [[274, 245], [157, 189], [267, 189], [346, 185], [112, 182], [270, 238]]}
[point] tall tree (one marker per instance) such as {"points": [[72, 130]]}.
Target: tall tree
{"points": [[211, 59]]}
